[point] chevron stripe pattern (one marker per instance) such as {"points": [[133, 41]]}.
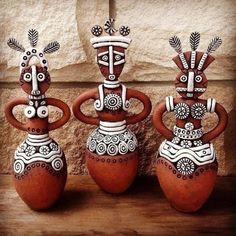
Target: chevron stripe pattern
{"points": [[194, 40], [51, 47], [14, 44], [33, 37]]}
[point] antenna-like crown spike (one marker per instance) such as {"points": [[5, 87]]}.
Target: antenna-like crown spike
{"points": [[214, 44], [15, 45], [33, 37], [51, 47], [194, 40], [176, 44]]}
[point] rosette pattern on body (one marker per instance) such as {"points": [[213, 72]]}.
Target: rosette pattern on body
{"points": [[112, 138], [186, 158], [38, 148]]}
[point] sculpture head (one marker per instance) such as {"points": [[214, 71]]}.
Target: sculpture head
{"points": [[34, 79], [191, 81], [110, 49]]}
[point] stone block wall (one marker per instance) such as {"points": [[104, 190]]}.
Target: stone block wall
{"points": [[149, 67]]}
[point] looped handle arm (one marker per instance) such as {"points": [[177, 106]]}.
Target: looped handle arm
{"points": [[147, 106], [222, 123], [159, 110], [9, 113], [66, 113], [76, 108]]}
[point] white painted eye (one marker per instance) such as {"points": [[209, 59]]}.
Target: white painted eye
{"points": [[117, 57], [27, 77], [30, 112], [41, 77], [42, 112], [105, 58], [183, 78], [198, 78]]}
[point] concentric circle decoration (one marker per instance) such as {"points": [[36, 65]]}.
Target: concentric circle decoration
{"points": [[101, 149], [131, 145], [92, 146], [198, 110], [185, 166], [29, 112], [19, 166], [42, 112], [123, 148], [112, 149], [113, 102], [57, 164], [181, 111]]}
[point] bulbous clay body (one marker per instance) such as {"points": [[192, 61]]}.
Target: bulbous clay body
{"points": [[186, 161], [111, 156], [39, 166]]}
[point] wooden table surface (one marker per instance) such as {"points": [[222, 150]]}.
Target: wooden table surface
{"points": [[86, 210]]}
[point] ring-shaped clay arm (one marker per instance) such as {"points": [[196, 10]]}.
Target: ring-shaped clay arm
{"points": [[147, 106], [220, 127], [76, 108], [9, 112], [66, 113], [158, 122]]}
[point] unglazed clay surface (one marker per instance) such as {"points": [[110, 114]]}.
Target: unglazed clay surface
{"points": [[186, 161], [112, 147], [39, 165]]}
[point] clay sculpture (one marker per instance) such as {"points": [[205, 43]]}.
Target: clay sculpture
{"points": [[186, 162], [39, 166], [111, 155]]}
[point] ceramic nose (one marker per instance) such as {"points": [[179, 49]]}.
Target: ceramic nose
{"points": [[35, 90], [111, 60], [190, 85]]}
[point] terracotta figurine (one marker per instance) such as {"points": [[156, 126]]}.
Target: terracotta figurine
{"points": [[111, 155], [39, 167], [186, 163]]}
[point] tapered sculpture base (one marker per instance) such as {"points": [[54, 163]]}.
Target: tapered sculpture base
{"points": [[40, 186], [113, 174], [186, 193]]}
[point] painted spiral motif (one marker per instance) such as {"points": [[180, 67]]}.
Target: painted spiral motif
{"points": [[19, 166], [101, 148], [113, 102], [131, 145], [112, 149], [113, 144], [57, 164], [92, 145], [123, 148]]}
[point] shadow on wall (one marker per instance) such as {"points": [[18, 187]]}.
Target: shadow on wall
{"points": [[230, 141]]}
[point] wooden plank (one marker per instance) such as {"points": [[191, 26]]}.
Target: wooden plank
{"points": [[86, 210]]}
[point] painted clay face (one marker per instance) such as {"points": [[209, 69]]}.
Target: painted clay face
{"points": [[191, 83], [110, 49], [35, 80], [111, 61]]}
